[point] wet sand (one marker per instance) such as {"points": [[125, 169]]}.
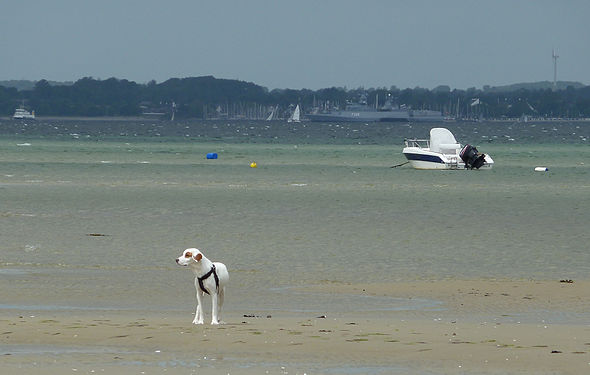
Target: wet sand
{"points": [[481, 327]]}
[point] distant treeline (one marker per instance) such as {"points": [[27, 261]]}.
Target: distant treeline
{"points": [[209, 97]]}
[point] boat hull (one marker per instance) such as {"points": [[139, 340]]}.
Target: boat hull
{"points": [[376, 116], [360, 116], [424, 159], [421, 161]]}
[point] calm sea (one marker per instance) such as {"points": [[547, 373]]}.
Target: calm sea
{"points": [[93, 214]]}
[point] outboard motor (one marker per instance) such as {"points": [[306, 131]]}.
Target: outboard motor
{"points": [[471, 157]]}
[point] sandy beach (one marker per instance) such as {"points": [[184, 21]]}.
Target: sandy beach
{"points": [[332, 270], [481, 327]]}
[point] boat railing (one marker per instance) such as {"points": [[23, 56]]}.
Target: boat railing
{"points": [[420, 143]]}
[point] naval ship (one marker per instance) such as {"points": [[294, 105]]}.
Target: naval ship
{"points": [[364, 113]]}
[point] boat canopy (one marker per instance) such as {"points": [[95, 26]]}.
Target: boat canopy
{"points": [[443, 141]]}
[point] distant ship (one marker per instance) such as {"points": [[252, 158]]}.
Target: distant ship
{"points": [[21, 113], [364, 113]]}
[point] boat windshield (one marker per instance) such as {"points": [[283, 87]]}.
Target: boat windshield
{"points": [[420, 143]]}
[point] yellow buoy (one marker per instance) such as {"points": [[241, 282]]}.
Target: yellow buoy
{"points": [[253, 165]]}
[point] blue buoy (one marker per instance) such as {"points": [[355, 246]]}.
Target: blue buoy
{"points": [[212, 155]]}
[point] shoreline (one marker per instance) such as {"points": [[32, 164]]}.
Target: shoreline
{"points": [[87, 118], [163, 118], [525, 300], [471, 334]]}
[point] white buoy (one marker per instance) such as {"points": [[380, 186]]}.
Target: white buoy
{"points": [[541, 169]]}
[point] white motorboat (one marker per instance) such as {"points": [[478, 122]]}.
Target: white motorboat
{"points": [[442, 151], [21, 113]]}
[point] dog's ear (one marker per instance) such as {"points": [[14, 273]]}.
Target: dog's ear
{"points": [[198, 257]]}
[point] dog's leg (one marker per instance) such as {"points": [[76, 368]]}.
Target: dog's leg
{"points": [[220, 304], [199, 311], [214, 300]]}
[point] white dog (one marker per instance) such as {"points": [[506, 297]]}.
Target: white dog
{"points": [[210, 278]]}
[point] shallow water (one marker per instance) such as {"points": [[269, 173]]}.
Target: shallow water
{"points": [[95, 219]]}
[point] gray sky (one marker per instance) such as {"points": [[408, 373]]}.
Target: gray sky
{"points": [[298, 43]]}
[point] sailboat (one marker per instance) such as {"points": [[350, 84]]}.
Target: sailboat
{"points": [[173, 111], [296, 116], [272, 113]]}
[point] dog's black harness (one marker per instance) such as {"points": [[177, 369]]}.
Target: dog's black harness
{"points": [[206, 276]]}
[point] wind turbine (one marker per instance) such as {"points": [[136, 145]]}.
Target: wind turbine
{"points": [[555, 56]]}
